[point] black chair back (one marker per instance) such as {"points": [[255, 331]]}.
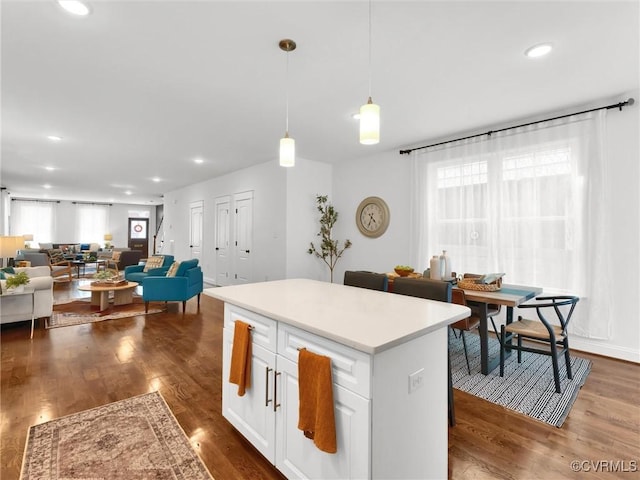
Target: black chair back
{"points": [[370, 280], [423, 288]]}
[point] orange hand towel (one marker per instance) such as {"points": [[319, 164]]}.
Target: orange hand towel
{"points": [[240, 373], [317, 418]]}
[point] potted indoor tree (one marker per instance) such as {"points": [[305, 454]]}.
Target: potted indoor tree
{"points": [[329, 250]]}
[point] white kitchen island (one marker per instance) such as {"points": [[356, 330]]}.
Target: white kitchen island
{"points": [[389, 359]]}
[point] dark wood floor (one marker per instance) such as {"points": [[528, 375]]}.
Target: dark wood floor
{"points": [[66, 370]]}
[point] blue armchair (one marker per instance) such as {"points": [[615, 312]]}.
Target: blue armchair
{"points": [[187, 283], [136, 273]]}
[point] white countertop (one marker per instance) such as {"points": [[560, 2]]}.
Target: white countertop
{"points": [[367, 320]]}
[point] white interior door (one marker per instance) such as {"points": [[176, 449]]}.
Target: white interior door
{"points": [[195, 229], [222, 240], [243, 237]]}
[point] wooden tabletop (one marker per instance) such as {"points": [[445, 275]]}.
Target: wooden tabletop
{"points": [[509, 295], [106, 288]]}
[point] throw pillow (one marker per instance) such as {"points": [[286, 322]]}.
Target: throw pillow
{"points": [[8, 270], [1, 275], [173, 269], [56, 255], [153, 262]]}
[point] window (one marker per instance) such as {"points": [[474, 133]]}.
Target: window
{"points": [[527, 202], [92, 221], [34, 217]]}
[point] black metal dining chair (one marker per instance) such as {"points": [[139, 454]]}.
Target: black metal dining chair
{"points": [[370, 280], [554, 338]]}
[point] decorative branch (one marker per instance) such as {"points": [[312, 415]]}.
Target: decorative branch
{"points": [[329, 250]]}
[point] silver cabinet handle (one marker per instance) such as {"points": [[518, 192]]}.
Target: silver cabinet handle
{"points": [[275, 391], [266, 389]]}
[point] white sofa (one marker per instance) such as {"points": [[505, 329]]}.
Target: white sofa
{"points": [[18, 308]]}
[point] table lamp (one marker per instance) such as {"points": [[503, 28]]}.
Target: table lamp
{"points": [[28, 238], [107, 240], [9, 245]]}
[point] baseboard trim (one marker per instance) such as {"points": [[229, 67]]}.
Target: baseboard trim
{"points": [[596, 348]]}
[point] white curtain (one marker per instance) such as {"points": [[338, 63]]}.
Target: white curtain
{"points": [[33, 217], [92, 222], [529, 202]]}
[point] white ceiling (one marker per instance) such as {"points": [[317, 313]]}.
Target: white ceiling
{"points": [[140, 89]]}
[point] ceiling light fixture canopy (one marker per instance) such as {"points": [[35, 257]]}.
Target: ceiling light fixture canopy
{"points": [[369, 112], [287, 144], [74, 6]]}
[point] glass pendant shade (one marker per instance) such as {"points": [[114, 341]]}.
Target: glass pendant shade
{"points": [[287, 151], [369, 123]]}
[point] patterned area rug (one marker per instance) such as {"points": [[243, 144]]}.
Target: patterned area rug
{"points": [[81, 311], [527, 387], [133, 439]]}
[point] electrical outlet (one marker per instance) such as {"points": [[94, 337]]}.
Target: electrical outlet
{"points": [[416, 380]]}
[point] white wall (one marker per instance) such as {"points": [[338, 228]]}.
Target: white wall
{"points": [[268, 183], [304, 182], [386, 175]]}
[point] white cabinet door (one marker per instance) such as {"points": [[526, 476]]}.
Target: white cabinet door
{"points": [[222, 240], [297, 456], [195, 228], [243, 238], [252, 414]]}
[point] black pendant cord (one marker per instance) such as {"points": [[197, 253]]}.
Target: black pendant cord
{"points": [[619, 105]]}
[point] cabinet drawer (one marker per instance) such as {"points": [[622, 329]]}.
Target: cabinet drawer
{"points": [[264, 329], [351, 368]]}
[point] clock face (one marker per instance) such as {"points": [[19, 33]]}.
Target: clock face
{"points": [[372, 217]]}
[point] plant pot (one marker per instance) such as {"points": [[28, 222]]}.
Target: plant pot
{"points": [[18, 289]]}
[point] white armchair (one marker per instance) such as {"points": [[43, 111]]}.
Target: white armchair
{"points": [[18, 308]]}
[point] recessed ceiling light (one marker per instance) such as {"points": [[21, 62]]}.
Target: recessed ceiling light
{"points": [[54, 138], [50, 169], [156, 179], [199, 160], [356, 116], [538, 50], [128, 192], [74, 6], [46, 185]]}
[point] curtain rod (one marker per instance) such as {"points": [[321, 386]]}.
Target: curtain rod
{"points": [[37, 200], [619, 105], [93, 203]]}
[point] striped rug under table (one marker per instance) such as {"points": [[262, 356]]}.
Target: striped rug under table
{"points": [[526, 387]]}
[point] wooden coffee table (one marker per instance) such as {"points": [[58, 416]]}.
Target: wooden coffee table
{"points": [[122, 294]]}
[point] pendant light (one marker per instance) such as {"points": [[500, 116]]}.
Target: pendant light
{"points": [[287, 144], [369, 112]]}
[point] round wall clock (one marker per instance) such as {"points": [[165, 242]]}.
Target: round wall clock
{"points": [[372, 217]]}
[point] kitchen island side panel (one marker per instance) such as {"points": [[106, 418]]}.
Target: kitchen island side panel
{"points": [[410, 428]]}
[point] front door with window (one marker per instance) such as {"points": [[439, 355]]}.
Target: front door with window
{"points": [[139, 235]]}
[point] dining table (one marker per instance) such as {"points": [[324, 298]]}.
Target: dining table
{"points": [[510, 296]]}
